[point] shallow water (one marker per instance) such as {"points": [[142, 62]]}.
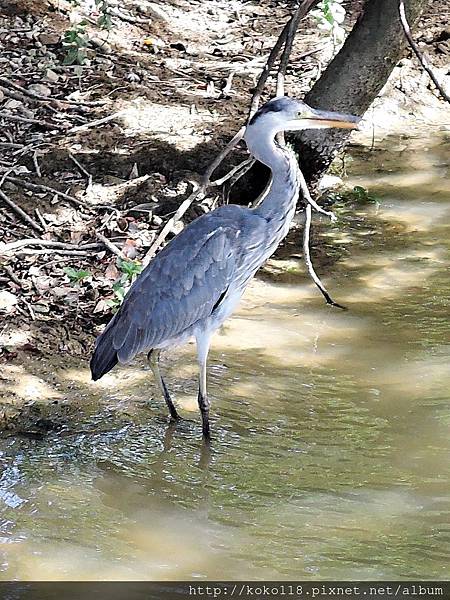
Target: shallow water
{"points": [[331, 430]]}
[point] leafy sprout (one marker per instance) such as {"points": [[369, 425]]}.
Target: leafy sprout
{"points": [[76, 39], [75, 43], [76, 275], [362, 195], [330, 15], [130, 270]]}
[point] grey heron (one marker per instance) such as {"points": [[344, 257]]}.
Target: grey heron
{"points": [[195, 282]]}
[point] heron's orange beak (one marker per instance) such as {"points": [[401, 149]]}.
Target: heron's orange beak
{"points": [[321, 119]]}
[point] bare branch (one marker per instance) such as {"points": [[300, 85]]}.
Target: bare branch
{"points": [[241, 170], [301, 11], [415, 49], [238, 170], [219, 159], [110, 245], [96, 122], [9, 117], [45, 188], [170, 223], [22, 214], [36, 96], [308, 261]]}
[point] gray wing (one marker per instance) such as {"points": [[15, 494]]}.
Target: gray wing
{"points": [[181, 285]]}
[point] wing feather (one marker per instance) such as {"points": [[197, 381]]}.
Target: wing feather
{"points": [[180, 286]]}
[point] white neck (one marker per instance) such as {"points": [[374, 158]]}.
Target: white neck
{"points": [[279, 203]]}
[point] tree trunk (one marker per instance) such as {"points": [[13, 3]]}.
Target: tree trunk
{"points": [[354, 78]]}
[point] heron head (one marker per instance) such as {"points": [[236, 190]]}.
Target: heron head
{"points": [[288, 114]]}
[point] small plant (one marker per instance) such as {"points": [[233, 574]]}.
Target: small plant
{"points": [[75, 43], [130, 270], [76, 39], [76, 275], [330, 15], [104, 19], [343, 200], [362, 195]]}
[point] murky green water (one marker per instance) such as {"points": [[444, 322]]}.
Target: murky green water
{"points": [[331, 449]]}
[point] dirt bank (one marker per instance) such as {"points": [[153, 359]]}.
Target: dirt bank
{"points": [[169, 83]]}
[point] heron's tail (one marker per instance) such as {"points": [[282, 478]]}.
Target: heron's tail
{"points": [[105, 355]]}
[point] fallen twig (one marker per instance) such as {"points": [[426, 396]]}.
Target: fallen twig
{"points": [[415, 49], [36, 164], [12, 275], [18, 244], [22, 214], [82, 169], [96, 122], [54, 251], [30, 309], [36, 96], [11, 145], [8, 116], [41, 218], [110, 245], [45, 188], [12, 94]]}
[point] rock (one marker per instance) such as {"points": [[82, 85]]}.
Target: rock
{"points": [[40, 307], [51, 76], [328, 182], [444, 47], [49, 39], [155, 11], [13, 104], [40, 89], [98, 42], [2, 96], [7, 302]]}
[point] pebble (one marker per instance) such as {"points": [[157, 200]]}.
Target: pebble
{"points": [[49, 39], [7, 302], [40, 89], [51, 76], [102, 44], [13, 104]]}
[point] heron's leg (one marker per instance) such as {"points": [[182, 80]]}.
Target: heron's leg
{"points": [[153, 357], [203, 401]]}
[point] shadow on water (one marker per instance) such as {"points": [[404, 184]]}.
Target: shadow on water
{"points": [[330, 457]]}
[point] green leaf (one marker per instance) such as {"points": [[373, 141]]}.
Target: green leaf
{"points": [[119, 291], [104, 21], [76, 275], [362, 195], [70, 36], [129, 267], [71, 57]]}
